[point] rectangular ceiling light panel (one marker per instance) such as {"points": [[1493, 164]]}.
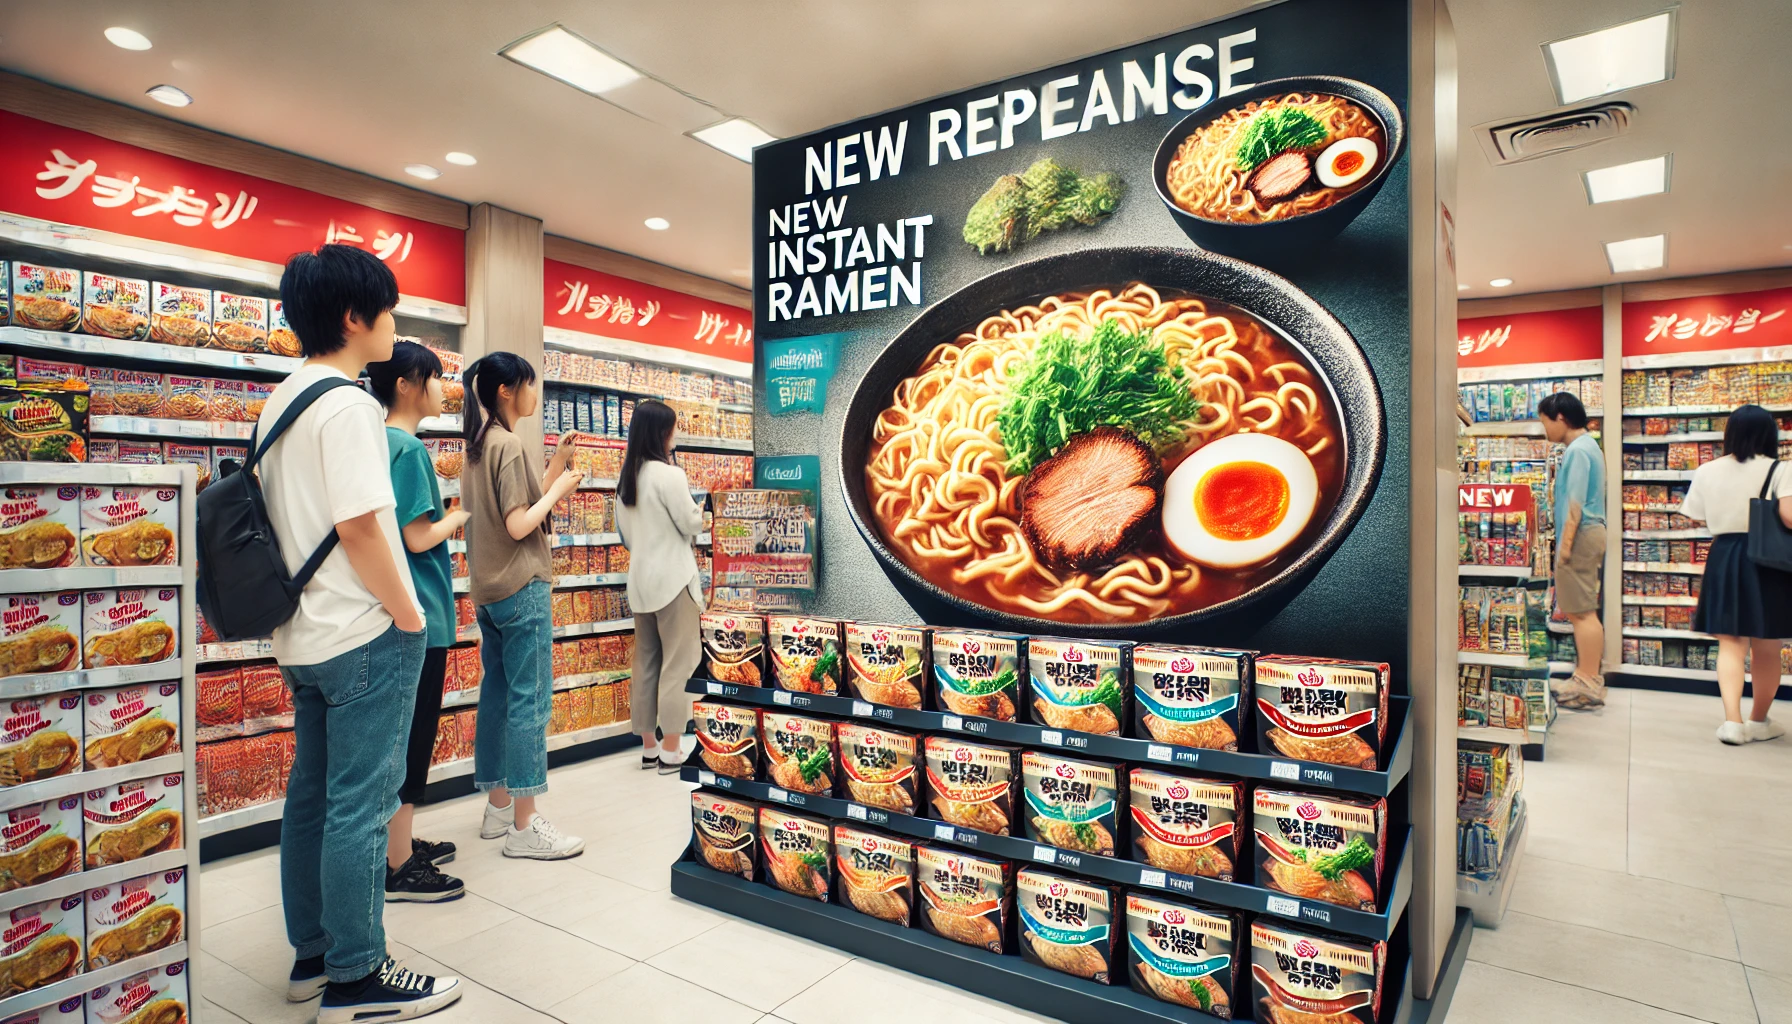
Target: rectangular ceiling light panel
{"points": [[557, 53], [736, 137], [1611, 60], [1627, 181], [1635, 254]]}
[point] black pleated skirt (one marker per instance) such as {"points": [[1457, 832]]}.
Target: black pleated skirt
{"points": [[1739, 598]]}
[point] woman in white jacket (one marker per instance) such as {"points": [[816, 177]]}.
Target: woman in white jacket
{"points": [[659, 522]]}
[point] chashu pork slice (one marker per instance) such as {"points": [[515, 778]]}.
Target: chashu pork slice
{"points": [[1093, 501]]}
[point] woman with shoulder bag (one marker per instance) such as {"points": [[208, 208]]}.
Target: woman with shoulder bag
{"points": [[1747, 606]]}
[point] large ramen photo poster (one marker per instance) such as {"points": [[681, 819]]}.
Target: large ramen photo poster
{"points": [[1124, 342]]}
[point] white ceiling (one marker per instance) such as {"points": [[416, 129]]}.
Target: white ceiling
{"points": [[374, 86]]}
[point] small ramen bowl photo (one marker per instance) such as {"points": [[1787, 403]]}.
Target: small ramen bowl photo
{"points": [[1276, 171]]}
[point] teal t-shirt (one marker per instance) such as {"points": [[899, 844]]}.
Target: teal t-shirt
{"points": [[1581, 478], [414, 487]]}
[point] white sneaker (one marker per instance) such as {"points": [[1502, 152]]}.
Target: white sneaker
{"points": [[1730, 732], [541, 841], [496, 823], [1759, 732], [671, 762]]}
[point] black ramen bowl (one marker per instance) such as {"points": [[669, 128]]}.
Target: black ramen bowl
{"points": [[1291, 240], [1327, 345]]}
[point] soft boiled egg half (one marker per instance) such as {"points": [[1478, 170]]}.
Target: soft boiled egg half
{"points": [[1239, 501]]}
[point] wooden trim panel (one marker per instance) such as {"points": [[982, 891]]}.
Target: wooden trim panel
{"points": [[609, 261], [1710, 284], [1536, 302]]}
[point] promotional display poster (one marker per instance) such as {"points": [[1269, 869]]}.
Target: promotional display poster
{"points": [[1116, 348]]}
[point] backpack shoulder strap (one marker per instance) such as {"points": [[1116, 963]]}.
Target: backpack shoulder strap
{"points": [[287, 418], [1767, 484]]}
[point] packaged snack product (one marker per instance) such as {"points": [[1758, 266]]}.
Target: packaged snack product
{"points": [[255, 399], [267, 703], [37, 525], [40, 738], [43, 425], [72, 1010], [5, 291], [157, 996], [281, 340], [972, 784], [127, 392], [47, 298], [965, 897], [135, 917], [115, 307], [39, 842], [130, 627], [1067, 924], [199, 455], [1322, 709], [132, 819], [1328, 848], [129, 453], [189, 398], [128, 724], [976, 673], [1083, 685], [874, 873], [1298, 974], [799, 853], [733, 647], [40, 632], [727, 738], [1184, 954], [1188, 825], [805, 653], [725, 833], [1191, 696], [230, 401], [49, 374], [799, 751], [239, 322], [881, 767], [1071, 803], [886, 664], [129, 525], [42, 944], [218, 704], [179, 315], [447, 454]]}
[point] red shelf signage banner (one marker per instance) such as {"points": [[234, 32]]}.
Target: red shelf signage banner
{"points": [[575, 298], [1495, 498], [1552, 336], [1708, 323], [65, 176]]}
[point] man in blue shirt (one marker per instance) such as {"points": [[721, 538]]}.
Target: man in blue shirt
{"points": [[1579, 503]]}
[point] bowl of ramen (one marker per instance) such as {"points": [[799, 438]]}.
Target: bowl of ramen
{"points": [[1128, 439], [1281, 167]]}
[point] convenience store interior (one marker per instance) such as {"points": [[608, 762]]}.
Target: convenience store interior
{"points": [[1619, 847]]}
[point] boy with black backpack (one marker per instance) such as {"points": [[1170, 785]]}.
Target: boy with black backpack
{"points": [[353, 648]]}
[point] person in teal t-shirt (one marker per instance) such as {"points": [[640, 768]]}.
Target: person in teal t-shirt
{"points": [[1579, 503], [409, 385]]}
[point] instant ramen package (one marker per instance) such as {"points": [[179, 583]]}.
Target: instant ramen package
{"points": [[115, 307], [46, 298], [725, 833], [799, 751], [129, 525], [1188, 825], [798, 851], [1185, 954], [966, 897], [40, 737], [179, 315], [1327, 848], [42, 943], [132, 820], [135, 917], [156, 996], [733, 647], [1071, 803], [39, 842], [978, 673], [128, 724], [39, 632], [1322, 709], [1083, 685], [37, 526], [727, 738], [805, 653], [874, 873], [1067, 924], [886, 664], [1191, 696], [880, 767], [1303, 975], [43, 425], [972, 785], [239, 323], [135, 626]]}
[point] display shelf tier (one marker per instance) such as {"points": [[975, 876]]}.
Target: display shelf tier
{"points": [[1696, 410], [641, 352], [1523, 661], [632, 393], [1654, 633], [1695, 568], [1530, 371], [238, 650], [580, 540], [63, 343], [242, 817], [92, 878], [90, 473], [1691, 435], [1666, 600], [36, 683], [195, 430], [80, 577], [1487, 899], [601, 579], [469, 698], [1505, 428], [56, 992], [1667, 534], [594, 628], [1491, 734], [80, 782], [1656, 475], [560, 741], [1224, 762], [1514, 573]]}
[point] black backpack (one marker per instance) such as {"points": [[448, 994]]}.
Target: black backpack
{"points": [[244, 588]]}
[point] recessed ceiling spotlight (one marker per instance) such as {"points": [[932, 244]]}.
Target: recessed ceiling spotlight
{"points": [[1612, 59], [1462, 287], [127, 38], [557, 53], [1627, 181], [424, 171], [736, 137], [460, 159], [657, 223], [171, 95], [1501, 282], [1634, 254]]}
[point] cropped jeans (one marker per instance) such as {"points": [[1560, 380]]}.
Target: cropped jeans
{"points": [[516, 641], [350, 716]]}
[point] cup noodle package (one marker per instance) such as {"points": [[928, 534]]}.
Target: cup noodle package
{"points": [[156, 996], [128, 724], [40, 738], [132, 525], [42, 942], [132, 820], [72, 1010], [135, 917], [131, 626], [38, 525], [39, 842], [40, 633]]}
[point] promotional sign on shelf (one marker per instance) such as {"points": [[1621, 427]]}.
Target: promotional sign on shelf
{"points": [[65, 176], [1551, 336], [587, 301], [1708, 323]]}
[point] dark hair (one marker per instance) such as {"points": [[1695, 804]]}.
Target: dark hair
{"points": [[1566, 407], [319, 288], [1751, 432], [410, 361], [648, 431], [482, 380]]}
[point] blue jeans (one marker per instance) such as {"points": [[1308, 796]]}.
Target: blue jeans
{"points": [[352, 714], [516, 648]]}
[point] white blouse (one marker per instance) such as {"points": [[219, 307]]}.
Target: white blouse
{"points": [[1721, 490], [659, 530]]}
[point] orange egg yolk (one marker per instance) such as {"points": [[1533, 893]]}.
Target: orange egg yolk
{"points": [[1241, 500], [1347, 162]]}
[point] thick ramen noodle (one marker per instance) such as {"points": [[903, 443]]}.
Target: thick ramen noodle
{"points": [[946, 504], [1276, 158]]}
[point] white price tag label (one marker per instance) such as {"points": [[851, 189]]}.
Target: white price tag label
{"points": [[1284, 906], [942, 832], [777, 794], [952, 721], [861, 709], [1157, 752], [1052, 736], [714, 687], [1284, 770], [780, 696], [1045, 855], [855, 811], [707, 778], [1151, 878]]}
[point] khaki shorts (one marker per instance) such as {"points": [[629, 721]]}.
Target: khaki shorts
{"points": [[1577, 583]]}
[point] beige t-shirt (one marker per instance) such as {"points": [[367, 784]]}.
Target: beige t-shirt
{"points": [[502, 480], [1721, 490]]}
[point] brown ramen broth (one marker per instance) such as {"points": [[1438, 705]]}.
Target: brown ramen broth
{"points": [[946, 506], [1205, 176]]}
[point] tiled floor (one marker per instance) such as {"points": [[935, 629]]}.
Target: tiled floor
{"points": [[1650, 893]]}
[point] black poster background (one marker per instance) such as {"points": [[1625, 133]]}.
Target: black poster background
{"points": [[1356, 605]]}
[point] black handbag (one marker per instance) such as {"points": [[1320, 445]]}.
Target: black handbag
{"points": [[1769, 541]]}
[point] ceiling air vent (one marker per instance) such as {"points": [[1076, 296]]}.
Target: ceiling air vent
{"points": [[1511, 142]]}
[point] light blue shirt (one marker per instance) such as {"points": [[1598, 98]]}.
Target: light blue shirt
{"points": [[1581, 479]]}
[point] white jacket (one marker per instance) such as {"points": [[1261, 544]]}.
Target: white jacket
{"points": [[658, 532]]}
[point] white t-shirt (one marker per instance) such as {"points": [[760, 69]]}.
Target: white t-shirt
{"points": [[1721, 490], [330, 466]]}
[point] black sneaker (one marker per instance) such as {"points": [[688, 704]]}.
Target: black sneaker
{"points": [[390, 993], [418, 881], [435, 853], [649, 762], [306, 982]]}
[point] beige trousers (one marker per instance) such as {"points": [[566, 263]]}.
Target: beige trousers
{"points": [[667, 650]]}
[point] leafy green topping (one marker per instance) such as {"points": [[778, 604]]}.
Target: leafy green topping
{"points": [[814, 763], [1107, 693], [1049, 196], [978, 687], [1085, 833], [815, 860], [825, 666], [1331, 866], [1277, 131], [1072, 385], [1202, 996]]}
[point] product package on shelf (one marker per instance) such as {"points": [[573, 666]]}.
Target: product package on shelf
{"points": [[133, 819], [966, 897], [45, 298], [155, 995], [115, 307], [734, 647], [130, 627], [804, 653], [39, 842], [874, 873], [1073, 804], [799, 852], [44, 942], [727, 738], [135, 917], [1322, 709], [1294, 969], [881, 767], [38, 525], [130, 525], [1327, 848], [799, 751], [1084, 685], [1184, 954], [973, 785], [725, 833], [1192, 696], [1192, 826], [1068, 924], [887, 664], [978, 673], [128, 724], [43, 424], [40, 738]]}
